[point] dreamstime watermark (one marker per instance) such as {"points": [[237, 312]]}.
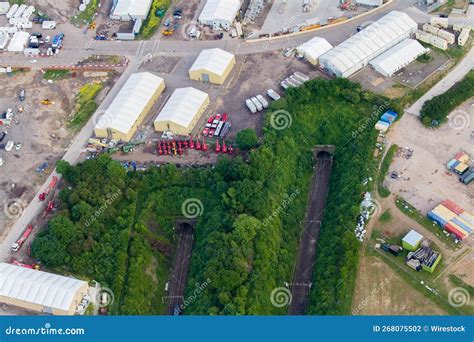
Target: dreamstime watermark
{"points": [[459, 120], [371, 297], [458, 297], [282, 207], [102, 208], [46, 330], [371, 120], [370, 29], [103, 119], [189, 300], [14, 208], [104, 297], [281, 297], [192, 208], [280, 119]]}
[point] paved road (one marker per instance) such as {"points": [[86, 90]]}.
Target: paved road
{"points": [[458, 73], [177, 284], [309, 237]]}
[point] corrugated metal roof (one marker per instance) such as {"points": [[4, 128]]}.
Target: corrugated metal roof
{"points": [[370, 42], [132, 8], [412, 238], [130, 102], [219, 10], [398, 57], [214, 60], [314, 47], [47, 289], [182, 106]]}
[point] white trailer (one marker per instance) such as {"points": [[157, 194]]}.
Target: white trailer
{"points": [[48, 25], [28, 12], [273, 94], [251, 106], [257, 104], [262, 100], [20, 11], [12, 11]]}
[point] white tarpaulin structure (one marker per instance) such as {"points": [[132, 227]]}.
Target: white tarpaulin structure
{"points": [[4, 7], [19, 41], [132, 103], [37, 290], [398, 57], [313, 49], [131, 9], [357, 51], [219, 13], [371, 3], [215, 63], [182, 111]]}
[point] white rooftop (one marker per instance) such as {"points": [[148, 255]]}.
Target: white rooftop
{"points": [[19, 41], [182, 106], [412, 238], [398, 57], [225, 10], [315, 47], [130, 102], [132, 7], [47, 289], [213, 60]]}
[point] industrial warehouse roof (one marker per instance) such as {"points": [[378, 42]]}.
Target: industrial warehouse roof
{"points": [[18, 41], [219, 10], [315, 47], [132, 8], [130, 102], [213, 60], [182, 106], [398, 57], [412, 238], [47, 289], [367, 44]]}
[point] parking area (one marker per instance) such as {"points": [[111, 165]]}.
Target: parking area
{"points": [[424, 180]]}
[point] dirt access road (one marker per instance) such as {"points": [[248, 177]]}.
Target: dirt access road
{"points": [[309, 237]]}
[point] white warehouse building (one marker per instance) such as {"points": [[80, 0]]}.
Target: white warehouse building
{"points": [[126, 10], [357, 51], [313, 49], [398, 57], [219, 14]]}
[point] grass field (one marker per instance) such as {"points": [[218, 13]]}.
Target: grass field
{"points": [[56, 75], [85, 104], [152, 23], [384, 167]]}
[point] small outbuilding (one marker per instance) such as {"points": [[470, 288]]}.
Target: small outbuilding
{"points": [[312, 49], [213, 66], [412, 240], [40, 291], [128, 109], [219, 14], [182, 111]]}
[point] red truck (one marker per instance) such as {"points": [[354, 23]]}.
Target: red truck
{"points": [[17, 245], [51, 185]]}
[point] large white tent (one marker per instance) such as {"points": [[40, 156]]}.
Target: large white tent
{"points": [[357, 51], [398, 57], [313, 49], [19, 41], [131, 9], [40, 291], [219, 13], [215, 63], [182, 111], [132, 103]]}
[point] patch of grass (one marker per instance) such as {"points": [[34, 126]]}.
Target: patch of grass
{"points": [[56, 75], [410, 211], [384, 167], [150, 25], [85, 104], [386, 216], [17, 2], [86, 16]]}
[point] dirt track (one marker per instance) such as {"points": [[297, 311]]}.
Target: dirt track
{"points": [[308, 242]]}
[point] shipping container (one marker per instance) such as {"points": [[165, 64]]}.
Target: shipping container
{"points": [[262, 100], [257, 104], [451, 229], [382, 126], [463, 224], [463, 36], [438, 21], [448, 36], [430, 29], [436, 218], [461, 168], [451, 163], [454, 225], [467, 217], [452, 206], [463, 158], [12, 11], [251, 106]]}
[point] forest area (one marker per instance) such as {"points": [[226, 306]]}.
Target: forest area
{"points": [[116, 227]]}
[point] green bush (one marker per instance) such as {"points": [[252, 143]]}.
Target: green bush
{"points": [[246, 139]]}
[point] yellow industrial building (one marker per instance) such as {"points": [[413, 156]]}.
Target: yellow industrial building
{"points": [[131, 105], [40, 291], [182, 111], [212, 66]]}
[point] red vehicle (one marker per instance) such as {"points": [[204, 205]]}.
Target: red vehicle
{"points": [[48, 208], [51, 185], [224, 147], [218, 147], [205, 131], [211, 132], [191, 142], [204, 145], [224, 117], [17, 263], [230, 150], [17, 245], [211, 119]]}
